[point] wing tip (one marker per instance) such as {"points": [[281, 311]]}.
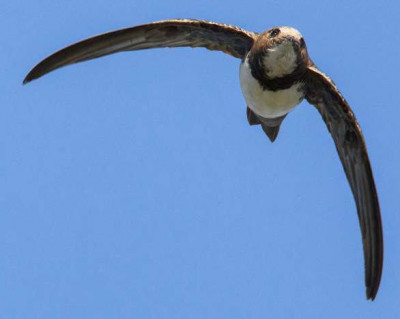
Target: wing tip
{"points": [[372, 291], [371, 295], [26, 80], [30, 77]]}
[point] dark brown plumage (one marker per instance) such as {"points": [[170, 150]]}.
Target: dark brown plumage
{"points": [[169, 33], [319, 90], [350, 145]]}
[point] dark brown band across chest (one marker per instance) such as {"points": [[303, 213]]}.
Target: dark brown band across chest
{"points": [[259, 72]]}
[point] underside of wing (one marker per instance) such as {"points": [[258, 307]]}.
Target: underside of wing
{"points": [[350, 145], [169, 33]]}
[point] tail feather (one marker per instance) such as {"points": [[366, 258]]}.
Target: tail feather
{"points": [[252, 117], [270, 126], [271, 131]]}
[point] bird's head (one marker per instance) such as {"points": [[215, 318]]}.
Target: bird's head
{"points": [[280, 51]]}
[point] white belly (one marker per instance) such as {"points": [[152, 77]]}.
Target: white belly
{"points": [[267, 103]]}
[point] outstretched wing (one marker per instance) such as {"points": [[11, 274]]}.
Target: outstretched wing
{"points": [[168, 33], [350, 145]]}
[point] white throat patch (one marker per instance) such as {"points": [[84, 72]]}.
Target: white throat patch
{"points": [[280, 60]]}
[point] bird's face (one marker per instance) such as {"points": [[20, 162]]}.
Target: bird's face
{"points": [[283, 50]]}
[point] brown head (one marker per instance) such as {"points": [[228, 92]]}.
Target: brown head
{"points": [[278, 58]]}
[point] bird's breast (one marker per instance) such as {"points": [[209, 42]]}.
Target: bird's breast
{"points": [[266, 103]]}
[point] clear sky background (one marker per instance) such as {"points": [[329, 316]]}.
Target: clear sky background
{"points": [[132, 186]]}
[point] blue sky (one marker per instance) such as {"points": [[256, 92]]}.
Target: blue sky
{"points": [[133, 187]]}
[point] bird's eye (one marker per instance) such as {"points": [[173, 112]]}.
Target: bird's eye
{"points": [[274, 32], [302, 43]]}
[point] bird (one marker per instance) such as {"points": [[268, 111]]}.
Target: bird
{"points": [[276, 74]]}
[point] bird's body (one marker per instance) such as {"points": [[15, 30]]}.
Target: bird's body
{"points": [[276, 74], [265, 102]]}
